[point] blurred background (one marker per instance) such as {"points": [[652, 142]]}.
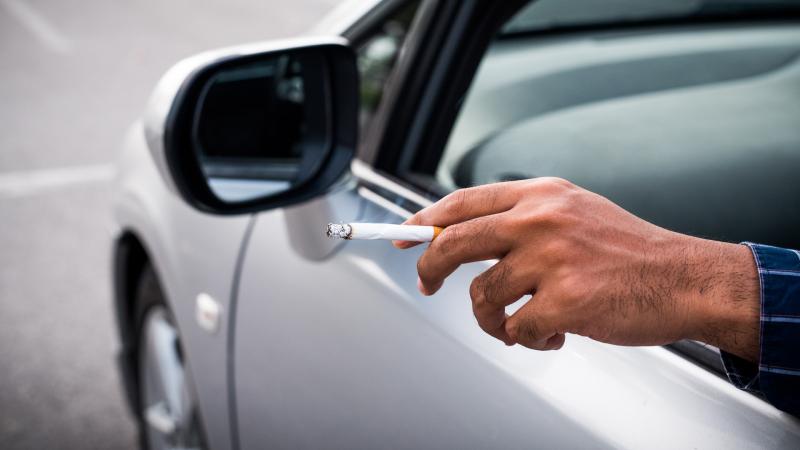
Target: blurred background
{"points": [[73, 75]]}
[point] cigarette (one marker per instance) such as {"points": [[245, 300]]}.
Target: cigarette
{"points": [[412, 233]]}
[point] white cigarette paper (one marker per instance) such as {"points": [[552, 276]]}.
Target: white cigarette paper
{"points": [[413, 233]]}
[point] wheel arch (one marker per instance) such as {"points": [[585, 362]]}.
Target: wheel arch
{"points": [[130, 257]]}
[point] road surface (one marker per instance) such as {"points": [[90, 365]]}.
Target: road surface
{"points": [[73, 75]]}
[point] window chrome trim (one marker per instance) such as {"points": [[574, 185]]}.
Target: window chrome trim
{"points": [[365, 172], [383, 202]]}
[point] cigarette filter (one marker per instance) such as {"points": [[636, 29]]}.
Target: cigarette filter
{"points": [[413, 233]]}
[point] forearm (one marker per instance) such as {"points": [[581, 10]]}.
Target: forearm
{"points": [[723, 296]]}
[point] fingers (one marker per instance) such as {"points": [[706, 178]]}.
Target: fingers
{"points": [[466, 204], [536, 325], [493, 290], [474, 240], [500, 333]]}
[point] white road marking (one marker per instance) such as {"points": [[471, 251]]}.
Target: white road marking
{"points": [[37, 25], [18, 184]]}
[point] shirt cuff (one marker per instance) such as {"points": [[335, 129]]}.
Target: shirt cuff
{"points": [[777, 375]]}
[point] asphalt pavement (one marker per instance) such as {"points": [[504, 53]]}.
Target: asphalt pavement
{"points": [[73, 75]]}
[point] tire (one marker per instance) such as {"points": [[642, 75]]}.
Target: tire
{"points": [[166, 403]]}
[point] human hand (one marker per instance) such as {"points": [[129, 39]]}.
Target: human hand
{"points": [[591, 268]]}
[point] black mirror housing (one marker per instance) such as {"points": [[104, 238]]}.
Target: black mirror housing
{"points": [[283, 120]]}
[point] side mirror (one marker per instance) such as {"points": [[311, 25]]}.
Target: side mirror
{"points": [[263, 130]]}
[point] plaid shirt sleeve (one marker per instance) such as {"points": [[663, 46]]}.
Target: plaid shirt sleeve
{"points": [[777, 376]]}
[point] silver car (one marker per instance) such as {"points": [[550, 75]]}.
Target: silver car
{"points": [[243, 326]]}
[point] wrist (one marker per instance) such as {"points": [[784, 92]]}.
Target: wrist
{"points": [[723, 299]]}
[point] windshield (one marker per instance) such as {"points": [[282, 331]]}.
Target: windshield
{"points": [[546, 15]]}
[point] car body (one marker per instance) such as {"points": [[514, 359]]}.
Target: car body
{"points": [[289, 339]]}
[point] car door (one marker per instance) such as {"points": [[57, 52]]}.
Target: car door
{"points": [[334, 347]]}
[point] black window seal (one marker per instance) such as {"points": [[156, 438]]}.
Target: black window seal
{"points": [[407, 81], [701, 354], [760, 18], [406, 67]]}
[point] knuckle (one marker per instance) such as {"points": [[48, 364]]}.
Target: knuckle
{"points": [[567, 295], [572, 288], [512, 328], [453, 204], [555, 214], [481, 231], [476, 291], [517, 224], [555, 251], [554, 183], [418, 218], [490, 288], [561, 182], [496, 283], [448, 240], [553, 201], [522, 330], [547, 215]]}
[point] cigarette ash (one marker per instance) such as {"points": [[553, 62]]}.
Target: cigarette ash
{"points": [[338, 231]]}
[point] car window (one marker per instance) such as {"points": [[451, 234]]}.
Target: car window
{"points": [[694, 128], [377, 56]]}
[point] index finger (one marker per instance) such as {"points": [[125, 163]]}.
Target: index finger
{"points": [[466, 204]]}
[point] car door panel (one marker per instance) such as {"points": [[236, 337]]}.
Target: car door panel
{"points": [[342, 351]]}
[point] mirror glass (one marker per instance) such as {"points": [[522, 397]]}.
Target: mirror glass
{"points": [[260, 125]]}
